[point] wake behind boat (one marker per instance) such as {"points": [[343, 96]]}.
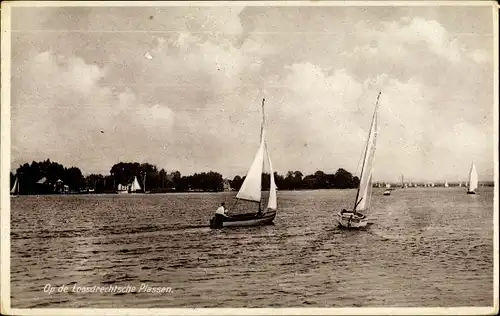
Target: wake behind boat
{"points": [[251, 190], [356, 218]]}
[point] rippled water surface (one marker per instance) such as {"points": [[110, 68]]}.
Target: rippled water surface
{"points": [[425, 247]]}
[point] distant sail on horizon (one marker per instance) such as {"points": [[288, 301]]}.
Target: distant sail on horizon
{"points": [[473, 181], [15, 188], [135, 185]]}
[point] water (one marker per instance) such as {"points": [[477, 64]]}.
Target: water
{"points": [[426, 247]]}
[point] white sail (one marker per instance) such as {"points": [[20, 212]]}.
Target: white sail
{"points": [[446, 184], [135, 185], [273, 201], [252, 186], [14, 188], [472, 178], [364, 191]]}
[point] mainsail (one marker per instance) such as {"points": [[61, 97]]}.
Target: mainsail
{"points": [[363, 196], [251, 189], [472, 178], [252, 186], [135, 185]]}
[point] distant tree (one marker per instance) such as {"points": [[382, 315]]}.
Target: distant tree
{"points": [[95, 182], [74, 179], [43, 177], [163, 178], [279, 180], [236, 182], [343, 179]]}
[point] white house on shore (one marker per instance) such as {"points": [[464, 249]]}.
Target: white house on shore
{"points": [[226, 185]]}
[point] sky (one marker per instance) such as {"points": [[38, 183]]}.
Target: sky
{"points": [[181, 87]]}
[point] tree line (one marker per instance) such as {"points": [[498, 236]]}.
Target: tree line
{"points": [[47, 177]]}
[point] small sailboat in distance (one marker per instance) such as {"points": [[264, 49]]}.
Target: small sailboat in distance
{"points": [[387, 189], [251, 190], [15, 189], [135, 186], [357, 217], [472, 180], [446, 183]]}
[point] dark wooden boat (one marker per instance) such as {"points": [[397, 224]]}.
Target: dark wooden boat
{"points": [[247, 219]]}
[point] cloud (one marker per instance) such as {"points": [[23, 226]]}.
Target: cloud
{"points": [[60, 112], [413, 37], [479, 56]]}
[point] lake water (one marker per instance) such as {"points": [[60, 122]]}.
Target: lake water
{"points": [[426, 247]]}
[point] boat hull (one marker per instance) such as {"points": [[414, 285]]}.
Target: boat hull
{"points": [[471, 192], [387, 192], [349, 220], [245, 220]]}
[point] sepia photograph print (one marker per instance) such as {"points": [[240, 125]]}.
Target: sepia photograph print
{"points": [[249, 158]]}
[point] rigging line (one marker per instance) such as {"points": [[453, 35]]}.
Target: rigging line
{"points": [[366, 149]]}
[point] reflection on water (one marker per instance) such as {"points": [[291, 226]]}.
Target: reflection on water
{"points": [[424, 247]]}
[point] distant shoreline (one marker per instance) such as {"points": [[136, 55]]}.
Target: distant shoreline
{"points": [[222, 192]]}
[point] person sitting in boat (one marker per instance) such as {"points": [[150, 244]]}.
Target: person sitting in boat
{"points": [[221, 211], [220, 214]]}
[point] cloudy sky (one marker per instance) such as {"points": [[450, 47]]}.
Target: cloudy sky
{"points": [[181, 88]]}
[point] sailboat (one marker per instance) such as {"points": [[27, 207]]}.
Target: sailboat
{"points": [[387, 189], [251, 190], [472, 180], [15, 189], [446, 183], [356, 218], [135, 186]]}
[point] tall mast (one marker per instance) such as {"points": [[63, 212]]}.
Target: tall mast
{"points": [[263, 120], [261, 136], [366, 150]]}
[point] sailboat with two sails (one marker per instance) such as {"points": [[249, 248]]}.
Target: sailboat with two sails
{"points": [[251, 190], [357, 217]]}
